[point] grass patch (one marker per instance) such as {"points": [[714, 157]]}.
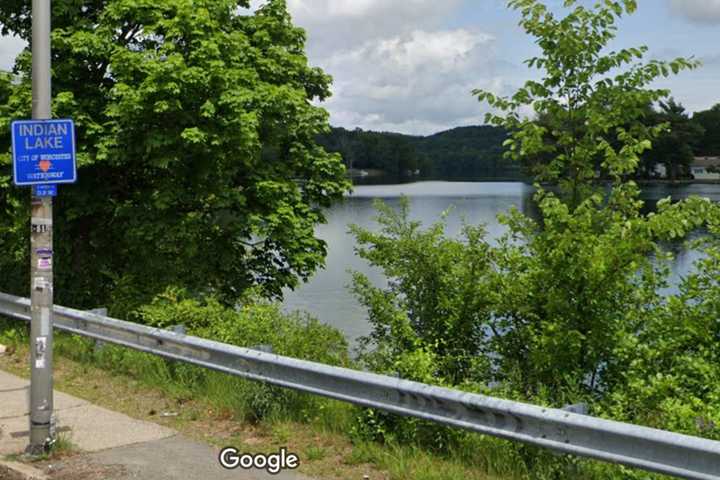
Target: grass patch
{"points": [[61, 448], [314, 453], [223, 410]]}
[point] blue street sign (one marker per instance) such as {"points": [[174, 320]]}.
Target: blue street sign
{"points": [[45, 190], [43, 152]]}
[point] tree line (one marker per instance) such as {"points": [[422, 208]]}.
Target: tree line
{"points": [[474, 151], [477, 151]]}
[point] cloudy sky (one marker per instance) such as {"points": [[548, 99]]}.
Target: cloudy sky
{"points": [[410, 65]]}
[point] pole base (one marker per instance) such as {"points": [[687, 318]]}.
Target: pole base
{"points": [[36, 451], [42, 437]]}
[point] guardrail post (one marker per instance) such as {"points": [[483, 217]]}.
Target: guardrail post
{"points": [[99, 344], [579, 408], [179, 329]]}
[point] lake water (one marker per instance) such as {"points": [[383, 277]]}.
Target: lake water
{"points": [[327, 295]]}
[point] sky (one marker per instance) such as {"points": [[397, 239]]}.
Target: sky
{"points": [[410, 65]]}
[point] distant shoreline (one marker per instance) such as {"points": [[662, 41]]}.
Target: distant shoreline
{"points": [[374, 174], [365, 172], [701, 181]]}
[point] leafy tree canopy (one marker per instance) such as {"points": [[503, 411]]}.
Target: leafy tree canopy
{"points": [[592, 98], [674, 148], [582, 279], [709, 120], [197, 154]]}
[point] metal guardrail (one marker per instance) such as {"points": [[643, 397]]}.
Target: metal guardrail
{"points": [[646, 448]]}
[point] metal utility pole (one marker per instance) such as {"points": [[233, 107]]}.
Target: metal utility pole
{"points": [[41, 252]]}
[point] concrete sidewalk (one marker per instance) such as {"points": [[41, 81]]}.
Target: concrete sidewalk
{"points": [[114, 446], [91, 428]]}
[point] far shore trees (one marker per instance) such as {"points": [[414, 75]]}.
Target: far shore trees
{"points": [[709, 120]]}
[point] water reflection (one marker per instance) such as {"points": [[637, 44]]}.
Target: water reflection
{"points": [[327, 296]]}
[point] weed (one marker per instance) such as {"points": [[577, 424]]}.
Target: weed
{"points": [[314, 453]]}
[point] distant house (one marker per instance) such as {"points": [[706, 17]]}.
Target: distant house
{"points": [[660, 170], [706, 168]]}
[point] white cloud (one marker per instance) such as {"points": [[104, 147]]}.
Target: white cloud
{"points": [[335, 8], [343, 24], [419, 82], [443, 50], [9, 48], [396, 65], [701, 11]]}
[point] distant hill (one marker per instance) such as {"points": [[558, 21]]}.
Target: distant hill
{"points": [[460, 152], [467, 151]]}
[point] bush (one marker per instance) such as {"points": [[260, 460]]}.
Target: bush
{"points": [[429, 325], [673, 378], [555, 313], [256, 322]]}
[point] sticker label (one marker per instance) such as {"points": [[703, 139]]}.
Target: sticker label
{"points": [[40, 349], [45, 190], [38, 283], [44, 263], [40, 225], [40, 228], [41, 283], [44, 252]]}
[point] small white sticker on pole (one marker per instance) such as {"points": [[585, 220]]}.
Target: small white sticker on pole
{"points": [[40, 349], [42, 283]]}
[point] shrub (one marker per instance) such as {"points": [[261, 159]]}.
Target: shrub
{"points": [[254, 323]]}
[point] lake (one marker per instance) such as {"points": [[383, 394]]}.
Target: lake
{"points": [[327, 295]]}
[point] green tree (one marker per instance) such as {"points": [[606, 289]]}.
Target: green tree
{"points": [[674, 147], [566, 308], [709, 120], [563, 295], [197, 153], [5, 87], [593, 97], [460, 152], [574, 292]]}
